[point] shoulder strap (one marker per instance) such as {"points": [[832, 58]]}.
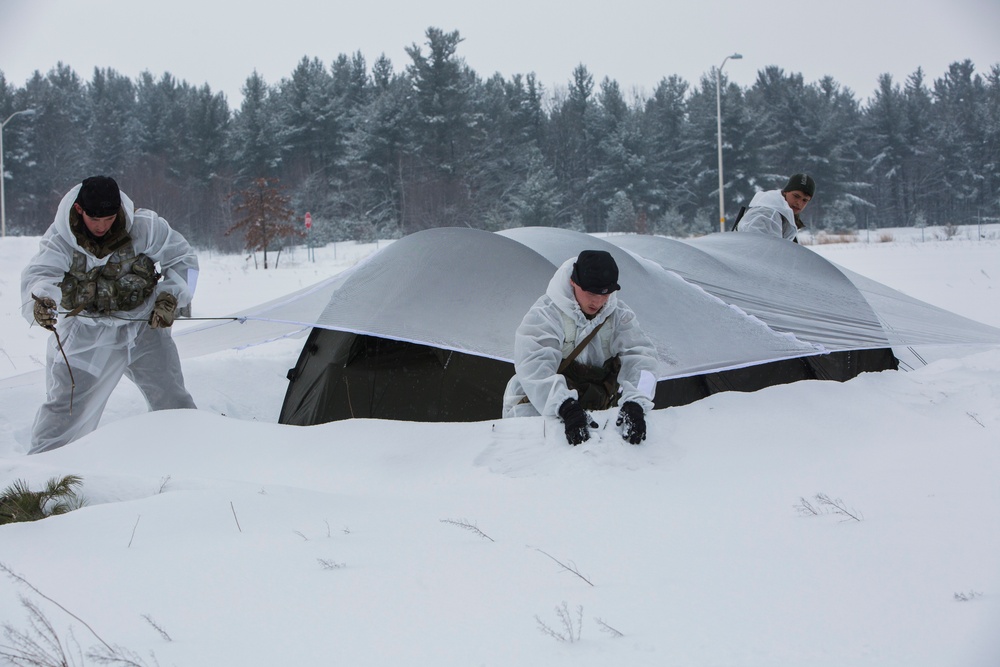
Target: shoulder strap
{"points": [[579, 348], [739, 216]]}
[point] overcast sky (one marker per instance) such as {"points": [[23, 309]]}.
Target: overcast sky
{"points": [[636, 42]]}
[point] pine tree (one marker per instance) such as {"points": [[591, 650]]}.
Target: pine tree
{"points": [[622, 216], [884, 127], [668, 160], [435, 192], [832, 154], [376, 147], [57, 134], [113, 125], [621, 158], [311, 121], [22, 183], [255, 138], [921, 186], [991, 145], [701, 139], [571, 148], [959, 102]]}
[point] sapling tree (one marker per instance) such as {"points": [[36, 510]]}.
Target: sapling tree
{"points": [[263, 214]]}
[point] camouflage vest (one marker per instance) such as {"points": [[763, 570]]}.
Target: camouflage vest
{"points": [[123, 283]]}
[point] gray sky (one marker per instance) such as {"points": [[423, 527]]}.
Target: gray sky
{"points": [[636, 42]]}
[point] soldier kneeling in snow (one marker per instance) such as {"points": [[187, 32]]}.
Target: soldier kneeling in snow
{"points": [[579, 348]]}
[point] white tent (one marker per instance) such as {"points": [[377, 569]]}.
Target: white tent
{"points": [[724, 303]]}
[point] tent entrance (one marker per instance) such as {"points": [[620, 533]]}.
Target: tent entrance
{"points": [[343, 375]]}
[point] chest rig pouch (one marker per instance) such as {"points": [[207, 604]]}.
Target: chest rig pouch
{"points": [[123, 283], [596, 386]]}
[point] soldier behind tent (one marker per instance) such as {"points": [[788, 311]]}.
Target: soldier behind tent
{"points": [[776, 212], [98, 263], [580, 348]]}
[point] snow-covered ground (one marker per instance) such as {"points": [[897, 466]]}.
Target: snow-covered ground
{"points": [[217, 537]]}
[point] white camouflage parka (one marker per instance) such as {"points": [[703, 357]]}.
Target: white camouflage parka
{"points": [[769, 213], [551, 330], [84, 336], [106, 345]]}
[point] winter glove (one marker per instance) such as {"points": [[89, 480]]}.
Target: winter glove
{"points": [[45, 312], [632, 422], [575, 420], [163, 311]]}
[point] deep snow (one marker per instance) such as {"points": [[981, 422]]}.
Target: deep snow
{"points": [[372, 543]]}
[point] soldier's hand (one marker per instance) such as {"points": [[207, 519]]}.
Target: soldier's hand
{"points": [[631, 422], [163, 311], [575, 420], [45, 312]]}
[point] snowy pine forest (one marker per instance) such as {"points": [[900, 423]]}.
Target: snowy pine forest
{"points": [[376, 149]]}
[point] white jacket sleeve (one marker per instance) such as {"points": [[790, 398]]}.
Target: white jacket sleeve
{"points": [[537, 355], [42, 275], [762, 220], [638, 356]]}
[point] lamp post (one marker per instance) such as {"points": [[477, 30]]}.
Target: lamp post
{"points": [[3, 202], [718, 116]]}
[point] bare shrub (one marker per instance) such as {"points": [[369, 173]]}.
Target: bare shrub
{"points": [[827, 505], [163, 484], [886, 237], [967, 597], [571, 627], [604, 627], [467, 525], [825, 238], [41, 646], [806, 508], [568, 568], [156, 626], [328, 564]]}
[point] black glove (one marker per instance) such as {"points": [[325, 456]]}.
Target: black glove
{"points": [[632, 422], [45, 312], [163, 311], [575, 421]]}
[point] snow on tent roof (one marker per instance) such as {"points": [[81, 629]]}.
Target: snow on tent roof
{"points": [[796, 290], [714, 303], [467, 290]]}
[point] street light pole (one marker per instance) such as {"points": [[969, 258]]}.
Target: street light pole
{"points": [[3, 201], [718, 117]]}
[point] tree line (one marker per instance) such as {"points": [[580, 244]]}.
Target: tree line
{"points": [[379, 152]]}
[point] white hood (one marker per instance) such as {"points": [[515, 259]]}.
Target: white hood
{"points": [[61, 221]]}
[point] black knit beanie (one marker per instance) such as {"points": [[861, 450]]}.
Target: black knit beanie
{"points": [[99, 196], [596, 271], [801, 183]]}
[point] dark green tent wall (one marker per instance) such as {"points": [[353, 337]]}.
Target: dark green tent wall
{"points": [[342, 375]]}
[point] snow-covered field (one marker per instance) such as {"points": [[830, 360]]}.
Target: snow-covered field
{"points": [[217, 537]]}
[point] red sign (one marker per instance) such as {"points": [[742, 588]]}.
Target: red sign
{"points": [[309, 221]]}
